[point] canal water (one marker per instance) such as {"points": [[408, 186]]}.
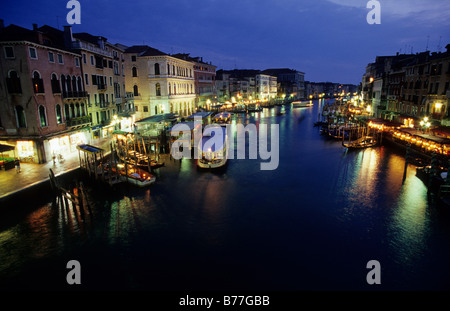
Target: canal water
{"points": [[312, 224]]}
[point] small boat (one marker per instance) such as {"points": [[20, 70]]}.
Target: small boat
{"points": [[301, 104], [363, 142], [254, 107], [132, 174], [212, 149], [222, 118]]}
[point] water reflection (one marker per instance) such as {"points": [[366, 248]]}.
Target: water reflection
{"points": [[322, 202]]}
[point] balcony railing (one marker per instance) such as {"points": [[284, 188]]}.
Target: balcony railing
{"points": [[85, 46], [74, 94], [79, 121]]}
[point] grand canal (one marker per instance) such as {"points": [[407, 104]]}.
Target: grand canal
{"points": [[311, 224]]}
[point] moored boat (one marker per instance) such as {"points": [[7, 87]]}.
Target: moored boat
{"points": [[213, 148], [130, 173], [222, 118], [301, 104]]}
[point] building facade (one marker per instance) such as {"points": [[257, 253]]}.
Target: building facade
{"points": [[413, 86], [43, 104], [161, 83]]}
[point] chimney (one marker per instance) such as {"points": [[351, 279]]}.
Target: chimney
{"points": [[2, 24], [101, 43], [68, 38]]}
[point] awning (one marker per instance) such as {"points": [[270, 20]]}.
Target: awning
{"points": [[6, 147]]}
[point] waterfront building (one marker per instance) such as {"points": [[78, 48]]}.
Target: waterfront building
{"points": [[204, 80], [409, 87], [160, 83], [245, 84], [291, 83], [104, 79], [43, 104]]}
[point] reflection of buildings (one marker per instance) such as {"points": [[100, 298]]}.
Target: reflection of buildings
{"points": [[43, 107]]}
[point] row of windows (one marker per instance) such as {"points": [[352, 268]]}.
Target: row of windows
{"points": [[9, 54], [70, 111], [65, 85], [182, 89], [100, 62]]}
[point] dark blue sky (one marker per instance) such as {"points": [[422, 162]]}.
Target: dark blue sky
{"points": [[329, 40]]}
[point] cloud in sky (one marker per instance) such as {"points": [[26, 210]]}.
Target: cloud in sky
{"points": [[421, 10]]}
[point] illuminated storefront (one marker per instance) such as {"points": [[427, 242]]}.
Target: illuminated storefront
{"points": [[25, 150], [65, 145]]}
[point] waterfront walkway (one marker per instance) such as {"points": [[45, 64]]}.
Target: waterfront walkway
{"points": [[32, 174]]}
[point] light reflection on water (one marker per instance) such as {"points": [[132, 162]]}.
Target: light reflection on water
{"points": [[311, 224]]}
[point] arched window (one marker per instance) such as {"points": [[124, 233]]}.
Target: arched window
{"points": [[38, 83], [168, 69], [80, 87], [69, 85], [72, 111], [134, 72], [20, 117], [175, 89], [158, 89], [42, 116], [77, 110], [58, 114], [74, 86], [83, 110], [135, 90], [156, 109], [13, 83], [56, 89], [157, 72], [67, 112], [64, 86], [173, 69], [170, 89]]}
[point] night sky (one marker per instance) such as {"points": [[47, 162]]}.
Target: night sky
{"points": [[329, 40]]}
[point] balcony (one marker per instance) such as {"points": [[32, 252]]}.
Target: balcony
{"points": [[89, 47], [78, 121], [74, 94], [102, 87]]}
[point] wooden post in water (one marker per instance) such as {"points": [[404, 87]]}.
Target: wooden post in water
{"points": [[406, 162], [432, 173]]}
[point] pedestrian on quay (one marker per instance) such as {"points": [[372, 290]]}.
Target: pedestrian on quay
{"points": [[17, 162]]}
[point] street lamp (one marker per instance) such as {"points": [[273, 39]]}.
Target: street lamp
{"points": [[425, 124]]}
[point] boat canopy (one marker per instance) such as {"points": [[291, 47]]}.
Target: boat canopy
{"points": [[158, 118], [218, 145], [201, 114], [89, 149]]}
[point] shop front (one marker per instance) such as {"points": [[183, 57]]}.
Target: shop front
{"points": [[65, 145]]}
